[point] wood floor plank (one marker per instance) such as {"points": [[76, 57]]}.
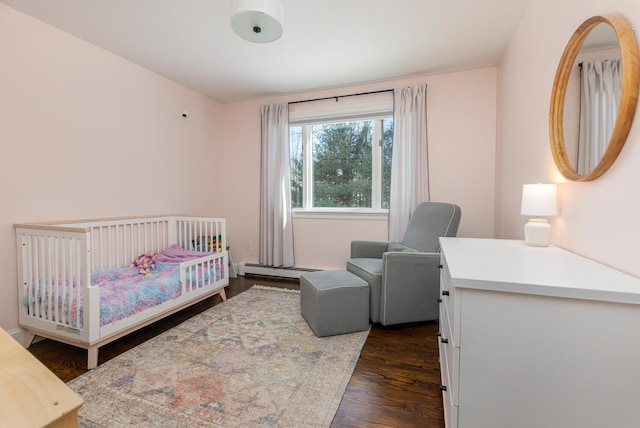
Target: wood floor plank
{"points": [[396, 382]]}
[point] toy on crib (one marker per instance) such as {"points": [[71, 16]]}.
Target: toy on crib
{"points": [[145, 263], [207, 243]]}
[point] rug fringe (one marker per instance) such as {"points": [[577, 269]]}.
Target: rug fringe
{"points": [[269, 288]]}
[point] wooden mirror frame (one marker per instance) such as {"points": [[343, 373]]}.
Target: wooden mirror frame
{"points": [[628, 96]]}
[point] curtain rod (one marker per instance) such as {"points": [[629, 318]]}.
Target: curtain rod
{"points": [[341, 96]]}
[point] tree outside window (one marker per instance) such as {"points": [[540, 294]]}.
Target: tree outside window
{"points": [[341, 165]]}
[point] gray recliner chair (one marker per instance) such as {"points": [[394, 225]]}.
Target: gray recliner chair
{"points": [[403, 277]]}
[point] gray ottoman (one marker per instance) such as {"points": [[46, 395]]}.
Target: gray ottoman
{"points": [[334, 302]]}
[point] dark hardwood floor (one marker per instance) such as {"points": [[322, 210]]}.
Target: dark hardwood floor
{"points": [[396, 382]]}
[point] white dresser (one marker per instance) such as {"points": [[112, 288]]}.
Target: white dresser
{"points": [[536, 338]]}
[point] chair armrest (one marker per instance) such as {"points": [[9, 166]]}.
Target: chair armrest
{"points": [[410, 287], [397, 263], [368, 249]]}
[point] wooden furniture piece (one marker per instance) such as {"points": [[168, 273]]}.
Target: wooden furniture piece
{"points": [[536, 337], [30, 395]]}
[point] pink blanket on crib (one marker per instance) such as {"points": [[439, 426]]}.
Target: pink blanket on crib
{"points": [[176, 254], [124, 292]]}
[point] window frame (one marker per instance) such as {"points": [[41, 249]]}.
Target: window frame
{"points": [[376, 212]]}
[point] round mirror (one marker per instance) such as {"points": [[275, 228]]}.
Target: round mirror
{"points": [[594, 97]]}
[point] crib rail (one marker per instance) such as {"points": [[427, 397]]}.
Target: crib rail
{"points": [[199, 234], [202, 272], [117, 242], [52, 272]]}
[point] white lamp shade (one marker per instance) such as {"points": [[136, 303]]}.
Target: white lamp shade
{"points": [[257, 21], [539, 200]]}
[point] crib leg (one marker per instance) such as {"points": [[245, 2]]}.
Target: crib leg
{"points": [[223, 294], [28, 338], [92, 357]]}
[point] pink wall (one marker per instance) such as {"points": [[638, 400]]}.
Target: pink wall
{"points": [[84, 133], [461, 110], [596, 218]]}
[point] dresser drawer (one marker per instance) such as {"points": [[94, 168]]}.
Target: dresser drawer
{"points": [[450, 416], [448, 298], [445, 374], [445, 275], [450, 354], [446, 333], [449, 395]]}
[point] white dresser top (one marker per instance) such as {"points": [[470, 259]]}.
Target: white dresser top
{"points": [[513, 266]]}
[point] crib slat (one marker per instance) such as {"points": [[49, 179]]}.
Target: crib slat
{"points": [[98, 245], [220, 240], [51, 280], [64, 274], [108, 249], [39, 277], [117, 249], [131, 250], [30, 280], [78, 281]]}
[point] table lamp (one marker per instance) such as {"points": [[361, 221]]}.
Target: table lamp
{"points": [[538, 200]]}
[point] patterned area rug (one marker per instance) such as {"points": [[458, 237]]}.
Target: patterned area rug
{"points": [[251, 361]]}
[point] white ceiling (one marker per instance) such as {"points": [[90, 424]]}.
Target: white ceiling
{"points": [[325, 43]]}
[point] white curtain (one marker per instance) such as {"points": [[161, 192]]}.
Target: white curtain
{"points": [[409, 164], [276, 228], [601, 83]]}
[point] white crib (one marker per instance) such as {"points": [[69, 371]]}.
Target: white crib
{"points": [[55, 257]]}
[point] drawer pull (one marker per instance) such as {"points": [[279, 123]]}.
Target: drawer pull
{"points": [[439, 300], [443, 340], [439, 266], [443, 387], [445, 293]]}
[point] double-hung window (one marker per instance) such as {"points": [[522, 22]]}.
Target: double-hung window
{"points": [[341, 158]]}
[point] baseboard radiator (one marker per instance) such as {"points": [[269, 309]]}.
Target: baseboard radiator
{"points": [[245, 268]]}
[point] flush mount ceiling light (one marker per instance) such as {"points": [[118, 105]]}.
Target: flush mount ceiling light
{"points": [[258, 21]]}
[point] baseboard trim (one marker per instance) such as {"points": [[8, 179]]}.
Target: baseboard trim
{"points": [[256, 269]]}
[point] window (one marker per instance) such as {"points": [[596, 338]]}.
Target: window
{"points": [[341, 164]]}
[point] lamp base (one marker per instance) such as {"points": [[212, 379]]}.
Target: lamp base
{"points": [[537, 232]]}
